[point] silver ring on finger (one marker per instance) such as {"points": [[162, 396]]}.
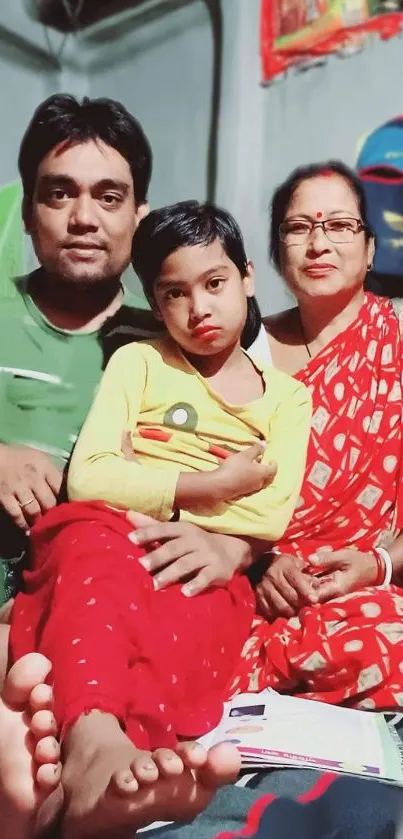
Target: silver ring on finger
{"points": [[27, 503]]}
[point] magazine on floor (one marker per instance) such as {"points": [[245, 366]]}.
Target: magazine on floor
{"points": [[271, 730]]}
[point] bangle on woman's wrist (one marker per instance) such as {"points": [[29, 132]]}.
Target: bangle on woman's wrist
{"points": [[385, 566], [380, 568]]}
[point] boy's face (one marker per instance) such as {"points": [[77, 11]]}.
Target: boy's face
{"points": [[83, 213], [202, 298]]}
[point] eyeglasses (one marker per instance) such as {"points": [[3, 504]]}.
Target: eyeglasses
{"points": [[337, 230]]}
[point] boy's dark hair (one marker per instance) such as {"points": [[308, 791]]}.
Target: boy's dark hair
{"points": [[189, 223], [284, 194], [63, 119]]}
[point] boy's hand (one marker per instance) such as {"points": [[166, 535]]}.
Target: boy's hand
{"points": [[243, 474], [179, 551]]}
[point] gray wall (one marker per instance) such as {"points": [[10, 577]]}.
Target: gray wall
{"points": [[28, 73], [165, 80], [22, 88], [25, 81]]}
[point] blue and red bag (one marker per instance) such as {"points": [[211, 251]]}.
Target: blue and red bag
{"points": [[380, 169]]}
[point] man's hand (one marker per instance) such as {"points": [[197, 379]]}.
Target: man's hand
{"points": [[285, 589], [29, 484], [178, 551], [342, 572], [243, 474]]}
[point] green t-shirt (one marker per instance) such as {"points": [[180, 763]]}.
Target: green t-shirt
{"points": [[47, 382]]}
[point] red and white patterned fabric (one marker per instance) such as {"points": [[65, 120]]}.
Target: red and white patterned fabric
{"points": [[351, 649]]}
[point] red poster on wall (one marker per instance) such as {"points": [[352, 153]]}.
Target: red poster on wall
{"points": [[293, 31]]}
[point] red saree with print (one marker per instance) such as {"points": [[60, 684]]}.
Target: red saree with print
{"points": [[349, 650]]}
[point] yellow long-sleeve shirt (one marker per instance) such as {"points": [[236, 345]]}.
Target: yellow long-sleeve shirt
{"points": [[179, 424]]}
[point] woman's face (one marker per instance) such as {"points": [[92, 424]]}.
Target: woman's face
{"points": [[318, 267]]}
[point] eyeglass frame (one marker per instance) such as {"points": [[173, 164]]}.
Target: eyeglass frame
{"points": [[360, 228]]}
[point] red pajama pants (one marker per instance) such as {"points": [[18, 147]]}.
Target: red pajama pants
{"points": [[158, 661]]}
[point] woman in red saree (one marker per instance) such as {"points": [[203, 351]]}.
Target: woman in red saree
{"points": [[330, 629]]}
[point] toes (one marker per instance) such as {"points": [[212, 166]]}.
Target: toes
{"points": [[48, 775], [41, 698], [47, 750], [168, 762], [43, 724], [123, 782], [222, 766], [24, 675], [193, 754], [144, 769]]}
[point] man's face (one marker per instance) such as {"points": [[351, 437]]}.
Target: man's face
{"points": [[83, 214]]}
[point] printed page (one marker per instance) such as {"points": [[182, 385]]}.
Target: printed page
{"points": [[273, 729]]}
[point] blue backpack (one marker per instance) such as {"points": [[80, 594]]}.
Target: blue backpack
{"points": [[380, 169]]}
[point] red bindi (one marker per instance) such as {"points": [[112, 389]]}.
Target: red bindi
{"points": [[319, 215]]}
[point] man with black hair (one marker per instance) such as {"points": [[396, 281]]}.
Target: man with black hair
{"points": [[85, 169]]}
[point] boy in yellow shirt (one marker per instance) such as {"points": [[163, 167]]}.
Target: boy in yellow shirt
{"points": [[219, 441]]}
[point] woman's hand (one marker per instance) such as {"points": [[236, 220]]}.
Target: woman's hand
{"points": [[285, 588], [178, 551], [342, 572]]}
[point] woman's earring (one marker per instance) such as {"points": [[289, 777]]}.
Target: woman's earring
{"points": [[369, 267]]}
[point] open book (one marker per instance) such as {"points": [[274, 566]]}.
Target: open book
{"points": [[274, 730]]}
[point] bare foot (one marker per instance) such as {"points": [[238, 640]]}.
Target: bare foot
{"points": [[112, 788], [29, 752]]}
